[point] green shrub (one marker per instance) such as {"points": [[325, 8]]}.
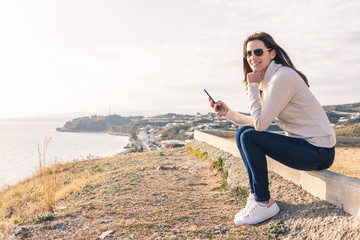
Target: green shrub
{"points": [[277, 228], [197, 153], [219, 164], [224, 182], [42, 217]]}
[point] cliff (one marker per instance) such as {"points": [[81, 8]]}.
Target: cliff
{"points": [[111, 123]]}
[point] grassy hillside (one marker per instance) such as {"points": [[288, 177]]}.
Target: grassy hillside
{"points": [[352, 130], [336, 112], [350, 107]]}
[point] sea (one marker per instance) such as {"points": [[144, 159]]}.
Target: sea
{"points": [[19, 142]]}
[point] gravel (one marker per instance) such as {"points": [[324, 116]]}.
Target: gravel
{"points": [[306, 216]]}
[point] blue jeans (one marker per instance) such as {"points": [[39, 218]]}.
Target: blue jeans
{"points": [[293, 152]]}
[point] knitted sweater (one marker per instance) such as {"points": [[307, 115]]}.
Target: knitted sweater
{"points": [[287, 100]]}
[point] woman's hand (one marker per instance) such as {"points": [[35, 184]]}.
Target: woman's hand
{"points": [[220, 107], [255, 77]]}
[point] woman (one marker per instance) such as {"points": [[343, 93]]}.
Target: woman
{"points": [[276, 92]]}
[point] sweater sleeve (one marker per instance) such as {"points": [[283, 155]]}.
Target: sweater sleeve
{"points": [[238, 118], [278, 95]]}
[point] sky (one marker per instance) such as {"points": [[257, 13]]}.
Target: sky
{"points": [[148, 57]]}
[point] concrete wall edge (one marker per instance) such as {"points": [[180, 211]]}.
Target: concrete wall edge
{"points": [[338, 189]]}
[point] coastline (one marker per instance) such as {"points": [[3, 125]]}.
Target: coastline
{"points": [[18, 165], [82, 131]]}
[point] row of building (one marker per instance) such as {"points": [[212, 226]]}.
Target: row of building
{"points": [[150, 138]]}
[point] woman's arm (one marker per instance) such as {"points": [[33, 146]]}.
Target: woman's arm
{"points": [[279, 93], [222, 109], [238, 118]]}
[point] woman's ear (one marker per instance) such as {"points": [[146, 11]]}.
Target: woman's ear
{"points": [[273, 54]]}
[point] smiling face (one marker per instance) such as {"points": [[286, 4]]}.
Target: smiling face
{"points": [[259, 63]]}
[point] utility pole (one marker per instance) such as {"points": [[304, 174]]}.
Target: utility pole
{"points": [[109, 111]]}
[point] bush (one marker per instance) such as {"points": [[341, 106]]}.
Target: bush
{"points": [[197, 153], [219, 164], [42, 217]]}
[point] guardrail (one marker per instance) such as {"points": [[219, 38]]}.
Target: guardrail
{"points": [[338, 189]]}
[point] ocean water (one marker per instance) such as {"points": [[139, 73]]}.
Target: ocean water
{"points": [[19, 142]]}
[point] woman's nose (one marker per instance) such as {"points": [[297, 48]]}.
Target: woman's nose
{"points": [[252, 57]]}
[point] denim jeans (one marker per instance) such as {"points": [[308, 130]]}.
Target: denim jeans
{"points": [[293, 152]]}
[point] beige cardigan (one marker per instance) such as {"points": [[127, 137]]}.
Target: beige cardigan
{"points": [[288, 101]]}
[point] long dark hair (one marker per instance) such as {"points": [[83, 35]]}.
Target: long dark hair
{"points": [[280, 58]]}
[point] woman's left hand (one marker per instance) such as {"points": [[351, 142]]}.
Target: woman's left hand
{"points": [[255, 77]]}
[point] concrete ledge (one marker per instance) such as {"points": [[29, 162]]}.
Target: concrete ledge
{"points": [[347, 139], [340, 190]]}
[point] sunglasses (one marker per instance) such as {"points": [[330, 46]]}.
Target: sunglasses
{"points": [[258, 52]]}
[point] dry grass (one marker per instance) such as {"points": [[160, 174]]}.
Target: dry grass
{"points": [[35, 197], [352, 130], [48, 177], [38, 194], [347, 159]]}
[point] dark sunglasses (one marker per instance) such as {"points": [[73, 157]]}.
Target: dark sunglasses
{"points": [[258, 52]]}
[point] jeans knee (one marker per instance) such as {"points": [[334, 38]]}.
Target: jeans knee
{"points": [[247, 134], [239, 133]]}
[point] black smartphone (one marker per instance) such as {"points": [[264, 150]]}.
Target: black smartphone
{"points": [[211, 98]]}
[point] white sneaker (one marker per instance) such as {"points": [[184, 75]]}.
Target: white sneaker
{"points": [[256, 213], [250, 200]]}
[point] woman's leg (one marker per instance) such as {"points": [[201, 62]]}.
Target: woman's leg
{"points": [[243, 156], [293, 152]]}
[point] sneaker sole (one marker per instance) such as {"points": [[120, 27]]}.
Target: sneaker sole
{"points": [[259, 220]]}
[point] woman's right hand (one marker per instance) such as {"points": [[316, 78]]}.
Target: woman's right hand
{"points": [[220, 107]]}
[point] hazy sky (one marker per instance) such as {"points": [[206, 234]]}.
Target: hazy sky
{"points": [[157, 56]]}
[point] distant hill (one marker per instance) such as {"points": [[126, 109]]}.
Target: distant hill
{"points": [[336, 112], [350, 107], [112, 124], [171, 115], [96, 123]]}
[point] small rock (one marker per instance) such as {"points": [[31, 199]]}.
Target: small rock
{"points": [[105, 234], [220, 229], [19, 233], [160, 168], [61, 207], [8, 215], [59, 226], [167, 168]]}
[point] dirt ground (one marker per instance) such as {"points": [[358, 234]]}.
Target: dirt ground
{"points": [[306, 216], [171, 194]]}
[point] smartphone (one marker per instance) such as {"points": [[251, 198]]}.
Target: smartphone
{"points": [[211, 98]]}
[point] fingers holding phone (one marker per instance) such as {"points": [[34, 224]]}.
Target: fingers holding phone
{"points": [[212, 103], [221, 108]]}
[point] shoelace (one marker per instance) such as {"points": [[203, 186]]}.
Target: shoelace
{"points": [[251, 209], [249, 202], [242, 211]]}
